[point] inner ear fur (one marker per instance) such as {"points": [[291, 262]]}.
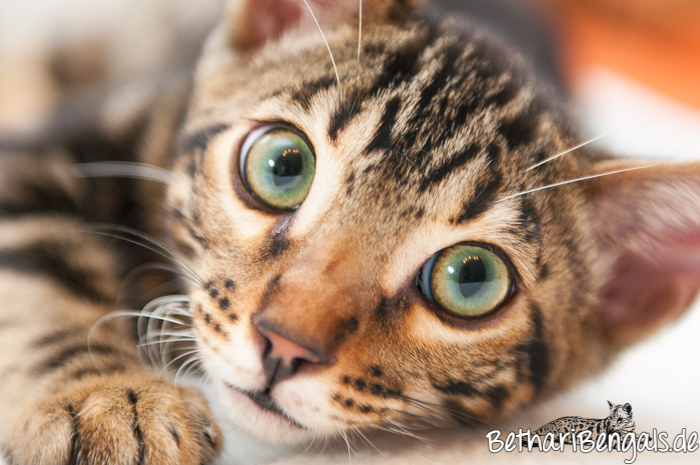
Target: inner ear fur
{"points": [[253, 23], [648, 222]]}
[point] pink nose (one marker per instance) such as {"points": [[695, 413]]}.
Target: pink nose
{"points": [[283, 358], [288, 351]]}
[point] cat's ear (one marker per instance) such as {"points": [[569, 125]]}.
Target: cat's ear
{"points": [[252, 23], [611, 406], [648, 222], [628, 409]]}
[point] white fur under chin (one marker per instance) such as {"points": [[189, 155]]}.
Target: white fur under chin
{"points": [[252, 419], [240, 447]]}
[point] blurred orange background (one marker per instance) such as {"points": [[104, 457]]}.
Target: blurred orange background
{"points": [[654, 42]]}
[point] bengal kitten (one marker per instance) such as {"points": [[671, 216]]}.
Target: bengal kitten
{"points": [[394, 235]]}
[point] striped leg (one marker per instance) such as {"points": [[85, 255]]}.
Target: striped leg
{"points": [[63, 401]]}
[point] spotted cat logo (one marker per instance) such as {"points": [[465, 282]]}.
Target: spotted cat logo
{"points": [[585, 435]]}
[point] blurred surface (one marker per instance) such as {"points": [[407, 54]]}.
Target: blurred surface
{"points": [[51, 48], [521, 25]]}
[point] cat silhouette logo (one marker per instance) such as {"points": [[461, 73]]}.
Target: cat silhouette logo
{"points": [[564, 429], [615, 432]]}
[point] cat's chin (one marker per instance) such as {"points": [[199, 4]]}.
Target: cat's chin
{"points": [[265, 421]]}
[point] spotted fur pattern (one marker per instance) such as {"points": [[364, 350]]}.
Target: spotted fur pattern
{"points": [[423, 142], [620, 421]]}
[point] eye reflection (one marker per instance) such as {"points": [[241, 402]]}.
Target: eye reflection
{"points": [[466, 280], [277, 167]]}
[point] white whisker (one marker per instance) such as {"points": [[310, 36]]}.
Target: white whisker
{"points": [[178, 358], [161, 250], [136, 313], [194, 366], [391, 427], [123, 169], [150, 333], [118, 314], [583, 144], [170, 286], [359, 35], [437, 412], [602, 136], [170, 341], [183, 333], [148, 339], [309, 446], [337, 76], [160, 307], [184, 339], [179, 311], [389, 430], [347, 442], [357, 430], [405, 432], [139, 270], [165, 307], [574, 180], [168, 299], [187, 362]]}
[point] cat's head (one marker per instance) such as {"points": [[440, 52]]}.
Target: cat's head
{"points": [[370, 255], [620, 413]]}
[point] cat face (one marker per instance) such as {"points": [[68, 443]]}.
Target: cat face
{"points": [[329, 302], [619, 413]]}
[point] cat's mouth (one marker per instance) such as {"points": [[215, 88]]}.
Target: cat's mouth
{"points": [[266, 402]]}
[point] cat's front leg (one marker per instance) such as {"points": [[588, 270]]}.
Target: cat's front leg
{"points": [[62, 400]]}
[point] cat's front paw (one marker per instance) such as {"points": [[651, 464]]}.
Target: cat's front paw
{"points": [[117, 421]]}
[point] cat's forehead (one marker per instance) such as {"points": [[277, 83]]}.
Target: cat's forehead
{"points": [[430, 125], [423, 108]]}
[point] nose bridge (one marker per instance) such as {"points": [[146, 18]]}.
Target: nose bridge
{"points": [[317, 304]]}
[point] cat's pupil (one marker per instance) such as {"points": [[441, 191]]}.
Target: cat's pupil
{"points": [[278, 167], [286, 167], [471, 277], [466, 280]]}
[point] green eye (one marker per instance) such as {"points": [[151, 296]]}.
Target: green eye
{"points": [[467, 281], [277, 167]]}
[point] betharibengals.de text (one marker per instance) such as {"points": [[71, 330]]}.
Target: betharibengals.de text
{"points": [[582, 442]]}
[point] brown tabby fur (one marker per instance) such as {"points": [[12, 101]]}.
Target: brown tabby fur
{"points": [[426, 133]]}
